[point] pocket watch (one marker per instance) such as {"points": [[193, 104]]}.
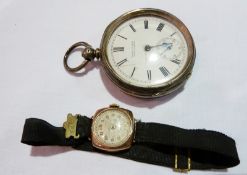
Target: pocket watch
{"points": [[114, 130], [145, 52]]}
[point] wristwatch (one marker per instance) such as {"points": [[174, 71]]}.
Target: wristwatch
{"points": [[114, 130]]}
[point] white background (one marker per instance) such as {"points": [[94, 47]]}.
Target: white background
{"points": [[34, 36]]}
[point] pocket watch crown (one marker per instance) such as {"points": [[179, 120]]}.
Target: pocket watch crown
{"points": [[89, 53]]}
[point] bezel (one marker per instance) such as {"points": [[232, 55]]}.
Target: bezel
{"points": [[100, 145], [148, 92]]}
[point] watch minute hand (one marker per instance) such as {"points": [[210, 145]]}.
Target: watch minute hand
{"points": [[168, 45]]}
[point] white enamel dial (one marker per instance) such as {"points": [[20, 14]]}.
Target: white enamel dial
{"points": [[147, 51], [112, 127]]}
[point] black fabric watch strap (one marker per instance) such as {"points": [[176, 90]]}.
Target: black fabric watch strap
{"points": [[154, 143], [206, 149], [38, 132]]}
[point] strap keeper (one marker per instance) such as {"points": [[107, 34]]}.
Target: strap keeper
{"points": [[177, 169]]}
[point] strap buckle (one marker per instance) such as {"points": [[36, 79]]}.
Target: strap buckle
{"points": [[70, 127], [181, 170]]}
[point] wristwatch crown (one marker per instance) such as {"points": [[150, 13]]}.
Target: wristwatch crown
{"points": [[114, 105]]}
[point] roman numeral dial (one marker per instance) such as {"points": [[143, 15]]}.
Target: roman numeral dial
{"points": [[164, 71], [122, 37], [133, 71], [118, 49], [146, 24], [160, 27], [132, 28], [146, 52], [176, 61], [149, 74], [122, 62]]}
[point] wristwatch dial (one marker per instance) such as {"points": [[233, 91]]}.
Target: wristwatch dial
{"points": [[112, 128], [147, 51]]}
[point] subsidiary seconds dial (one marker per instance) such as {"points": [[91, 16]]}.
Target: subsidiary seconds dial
{"points": [[147, 51]]}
